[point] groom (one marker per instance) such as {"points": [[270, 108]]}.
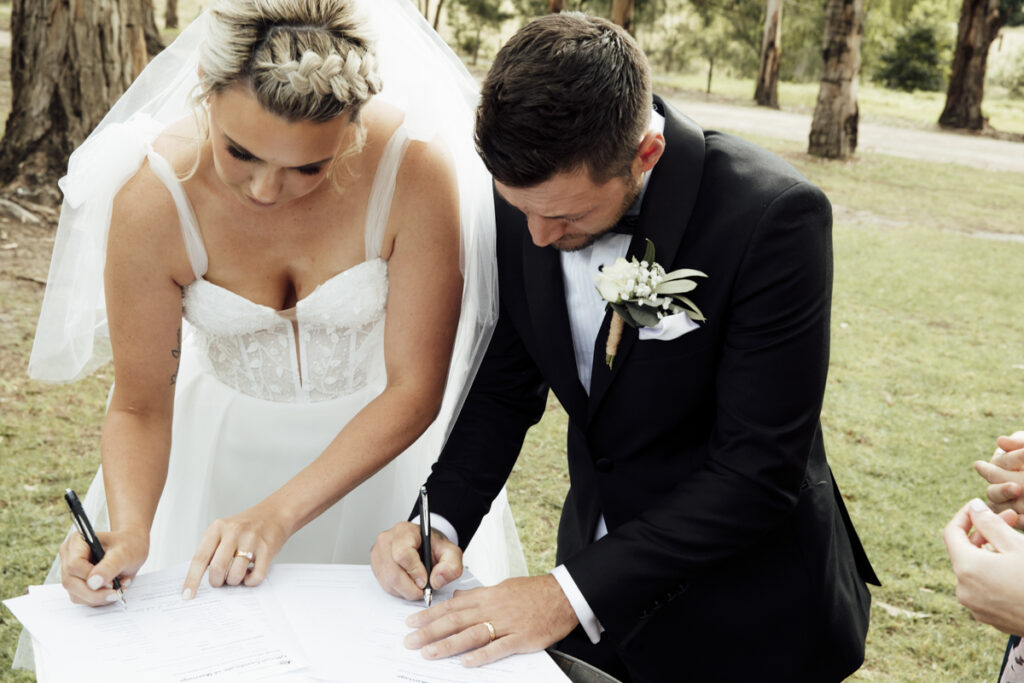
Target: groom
{"points": [[703, 537]]}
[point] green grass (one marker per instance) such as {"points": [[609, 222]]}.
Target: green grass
{"points": [[927, 369], [923, 377], [49, 440], [876, 104]]}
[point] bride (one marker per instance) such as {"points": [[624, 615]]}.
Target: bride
{"points": [[284, 238]]}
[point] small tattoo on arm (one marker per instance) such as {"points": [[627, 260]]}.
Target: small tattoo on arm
{"points": [[176, 352]]}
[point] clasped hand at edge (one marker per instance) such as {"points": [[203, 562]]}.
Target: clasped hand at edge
{"points": [[1005, 475], [527, 614], [987, 555]]}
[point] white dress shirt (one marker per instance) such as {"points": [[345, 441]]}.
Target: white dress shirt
{"points": [[586, 313]]}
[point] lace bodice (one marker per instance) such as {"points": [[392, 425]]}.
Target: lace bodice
{"points": [[330, 345]]}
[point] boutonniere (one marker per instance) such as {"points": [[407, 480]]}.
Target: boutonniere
{"points": [[641, 293]]}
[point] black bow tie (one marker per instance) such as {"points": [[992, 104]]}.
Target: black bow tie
{"points": [[626, 225]]}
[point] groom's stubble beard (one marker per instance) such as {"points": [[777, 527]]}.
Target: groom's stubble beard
{"points": [[635, 185]]}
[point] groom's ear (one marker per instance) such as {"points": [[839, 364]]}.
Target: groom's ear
{"points": [[650, 149]]}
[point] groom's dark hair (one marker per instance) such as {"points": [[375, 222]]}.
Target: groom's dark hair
{"points": [[567, 92]]}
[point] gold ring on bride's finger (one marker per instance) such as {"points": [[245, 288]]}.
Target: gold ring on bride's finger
{"points": [[247, 554], [490, 630]]}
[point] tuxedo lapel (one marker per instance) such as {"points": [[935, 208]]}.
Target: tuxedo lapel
{"points": [[664, 217], [549, 316]]}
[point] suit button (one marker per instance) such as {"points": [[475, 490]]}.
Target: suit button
{"points": [[603, 465]]}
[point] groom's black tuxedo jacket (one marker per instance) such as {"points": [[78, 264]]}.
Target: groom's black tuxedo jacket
{"points": [[730, 555]]}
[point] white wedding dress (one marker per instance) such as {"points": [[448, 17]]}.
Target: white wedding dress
{"points": [[260, 393]]}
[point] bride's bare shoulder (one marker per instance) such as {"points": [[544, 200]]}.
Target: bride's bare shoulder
{"points": [[144, 211], [180, 144]]}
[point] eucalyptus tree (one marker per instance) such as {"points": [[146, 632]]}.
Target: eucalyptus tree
{"points": [[154, 43], [70, 61], [980, 22], [766, 90], [834, 127], [171, 14], [622, 14]]}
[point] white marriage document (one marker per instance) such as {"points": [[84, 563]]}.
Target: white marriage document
{"points": [[305, 622]]}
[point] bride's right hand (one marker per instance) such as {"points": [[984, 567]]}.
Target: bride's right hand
{"points": [[89, 584], [397, 564]]}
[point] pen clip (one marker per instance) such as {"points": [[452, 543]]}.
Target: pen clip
{"points": [[424, 508]]}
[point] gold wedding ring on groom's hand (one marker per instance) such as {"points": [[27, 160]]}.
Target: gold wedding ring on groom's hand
{"points": [[490, 630]]}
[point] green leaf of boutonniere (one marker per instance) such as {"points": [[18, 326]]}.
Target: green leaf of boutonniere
{"points": [[649, 252]]}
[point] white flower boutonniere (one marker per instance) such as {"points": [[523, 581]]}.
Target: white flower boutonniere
{"points": [[641, 293]]}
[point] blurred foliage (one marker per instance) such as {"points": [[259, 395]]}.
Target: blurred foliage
{"points": [[724, 36], [1014, 10], [920, 53], [1011, 74], [469, 19]]}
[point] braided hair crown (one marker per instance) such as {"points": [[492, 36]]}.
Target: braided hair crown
{"points": [[305, 60]]}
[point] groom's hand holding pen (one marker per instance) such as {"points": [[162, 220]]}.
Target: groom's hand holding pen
{"points": [[397, 561]]}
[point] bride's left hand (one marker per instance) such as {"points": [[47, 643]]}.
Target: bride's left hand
{"points": [[226, 547]]}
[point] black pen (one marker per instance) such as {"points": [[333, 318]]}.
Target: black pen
{"points": [[428, 556], [85, 529]]}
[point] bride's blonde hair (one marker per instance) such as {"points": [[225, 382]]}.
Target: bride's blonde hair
{"points": [[304, 60]]}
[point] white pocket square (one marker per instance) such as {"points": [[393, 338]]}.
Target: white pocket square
{"points": [[668, 328]]}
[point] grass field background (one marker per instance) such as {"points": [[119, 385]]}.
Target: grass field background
{"points": [[927, 369]]}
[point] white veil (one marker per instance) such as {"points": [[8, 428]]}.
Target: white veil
{"points": [[420, 75]]}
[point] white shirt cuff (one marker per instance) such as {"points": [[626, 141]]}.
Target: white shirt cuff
{"points": [[588, 620], [441, 524]]}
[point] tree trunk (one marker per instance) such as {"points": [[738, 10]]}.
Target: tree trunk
{"points": [[437, 13], [711, 70], [171, 14], [622, 14], [834, 128], [70, 61], [766, 93], [154, 44], [556, 6], [980, 21]]}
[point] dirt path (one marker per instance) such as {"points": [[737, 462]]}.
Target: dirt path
{"points": [[927, 145]]}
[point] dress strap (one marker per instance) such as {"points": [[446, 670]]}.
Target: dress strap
{"points": [[383, 190], [186, 216]]}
